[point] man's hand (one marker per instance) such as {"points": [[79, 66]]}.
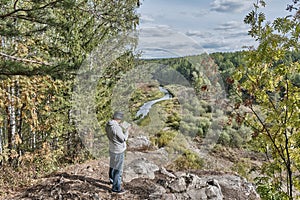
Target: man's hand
{"points": [[125, 125]]}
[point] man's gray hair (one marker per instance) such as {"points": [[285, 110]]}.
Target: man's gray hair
{"points": [[118, 115]]}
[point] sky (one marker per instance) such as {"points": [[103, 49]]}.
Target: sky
{"points": [[174, 28]]}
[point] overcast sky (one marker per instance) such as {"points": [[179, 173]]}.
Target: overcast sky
{"points": [[171, 28]]}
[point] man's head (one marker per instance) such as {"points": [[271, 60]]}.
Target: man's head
{"points": [[118, 115]]}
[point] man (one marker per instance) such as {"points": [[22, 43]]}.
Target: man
{"points": [[117, 146]]}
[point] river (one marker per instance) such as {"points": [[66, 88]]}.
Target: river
{"points": [[145, 108]]}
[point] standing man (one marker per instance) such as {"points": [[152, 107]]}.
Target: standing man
{"points": [[117, 146]]}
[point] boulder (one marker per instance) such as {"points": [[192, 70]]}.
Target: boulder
{"points": [[139, 168], [138, 143]]}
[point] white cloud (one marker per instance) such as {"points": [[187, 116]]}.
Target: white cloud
{"points": [[230, 5], [201, 34], [231, 25], [222, 40], [162, 40], [200, 13], [146, 18], [171, 28]]}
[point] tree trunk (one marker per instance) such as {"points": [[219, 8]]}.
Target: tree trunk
{"points": [[288, 167], [11, 118], [1, 140]]}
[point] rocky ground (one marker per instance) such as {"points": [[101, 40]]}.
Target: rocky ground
{"points": [[144, 177], [89, 181], [142, 180]]}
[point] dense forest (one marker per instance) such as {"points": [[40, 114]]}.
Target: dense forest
{"points": [[60, 65], [43, 46]]}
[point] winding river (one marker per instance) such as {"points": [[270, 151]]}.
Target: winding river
{"points": [[144, 109]]}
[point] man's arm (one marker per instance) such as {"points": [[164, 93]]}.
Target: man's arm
{"points": [[122, 137]]}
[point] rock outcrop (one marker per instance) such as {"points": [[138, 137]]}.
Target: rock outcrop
{"points": [[201, 185], [166, 185]]}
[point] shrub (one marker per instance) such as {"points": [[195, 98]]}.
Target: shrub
{"points": [[188, 160], [163, 138], [224, 139]]}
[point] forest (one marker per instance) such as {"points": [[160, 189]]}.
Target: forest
{"points": [[60, 65]]}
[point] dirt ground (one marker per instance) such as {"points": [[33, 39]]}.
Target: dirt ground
{"points": [[83, 181]]}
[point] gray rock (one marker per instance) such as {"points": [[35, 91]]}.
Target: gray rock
{"points": [[181, 185], [178, 185], [196, 194], [165, 172], [139, 168], [138, 143], [213, 192], [207, 187], [168, 197]]}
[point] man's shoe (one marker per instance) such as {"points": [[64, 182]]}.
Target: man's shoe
{"points": [[122, 191]]}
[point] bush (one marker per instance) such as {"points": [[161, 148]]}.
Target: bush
{"points": [[224, 139], [188, 160], [236, 140], [163, 138]]}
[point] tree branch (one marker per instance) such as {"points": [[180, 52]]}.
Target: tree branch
{"points": [[27, 10], [23, 59], [279, 151]]}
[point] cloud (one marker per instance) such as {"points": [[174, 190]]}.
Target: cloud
{"points": [[231, 25], [226, 41], [232, 30], [158, 31], [220, 45], [200, 34], [146, 18], [230, 5], [213, 43], [237, 35], [162, 40], [200, 13], [151, 53]]}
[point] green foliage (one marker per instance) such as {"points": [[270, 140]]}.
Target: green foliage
{"points": [[173, 120], [113, 73], [269, 190], [224, 139], [227, 63], [163, 138], [43, 43], [143, 94], [187, 161], [242, 167], [54, 37], [271, 105]]}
